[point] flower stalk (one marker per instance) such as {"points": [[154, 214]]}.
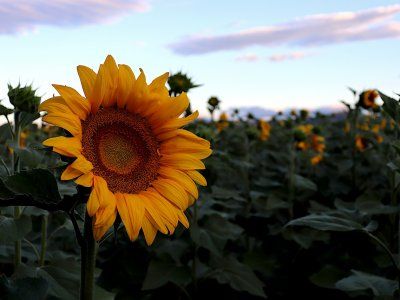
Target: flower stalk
{"points": [[15, 165], [43, 241], [88, 260]]}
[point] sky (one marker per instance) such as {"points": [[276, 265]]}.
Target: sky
{"points": [[259, 53]]}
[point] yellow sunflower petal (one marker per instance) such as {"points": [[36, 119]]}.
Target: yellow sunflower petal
{"points": [[111, 81], [70, 173], [131, 209], [182, 162], [149, 231], [197, 177], [154, 214], [107, 220], [82, 164], [85, 180], [100, 196], [158, 85], [183, 219], [192, 137], [126, 81], [138, 93], [172, 191], [78, 104], [165, 209], [55, 104], [88, 79], [176, 123], [99, 89], [70, 145], [171, 108], [69, 122], [180, 177]]}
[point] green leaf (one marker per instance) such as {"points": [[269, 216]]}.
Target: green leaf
{"points": [[326, 222], [202, 238], [391, 106], [239, 276], [4, 111], [304, 183], [369, 203], [12, 230], [38, 183], [359, 281], [26, 118], [160, 273], [23, 288], [327, 277]]}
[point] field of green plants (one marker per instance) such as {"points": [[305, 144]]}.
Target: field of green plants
{"points": [[297, 205]]}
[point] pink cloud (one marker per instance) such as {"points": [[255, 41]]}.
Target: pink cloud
{"points": [[288, 56], [26, 15], [248, 57], [315, 30]]}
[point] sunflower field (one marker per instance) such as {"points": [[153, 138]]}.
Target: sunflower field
{"points": [[296, 205]]}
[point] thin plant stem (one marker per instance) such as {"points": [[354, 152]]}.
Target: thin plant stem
{"points": [[384, 247], [33, 248], [194, 265], [43, 241], [88, 261], [5, 166], [15, 164]]}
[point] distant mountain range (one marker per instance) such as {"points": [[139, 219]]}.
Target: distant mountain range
{"points": [[264, 113]]}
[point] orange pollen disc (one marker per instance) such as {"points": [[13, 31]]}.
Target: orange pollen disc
{"points": [[122, 148]]}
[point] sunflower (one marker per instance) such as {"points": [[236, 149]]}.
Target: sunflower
{"points": [[318, 143], [361, 143], [367, 99], [223, 122], [265, 130], [130, 149], [316, 159]]}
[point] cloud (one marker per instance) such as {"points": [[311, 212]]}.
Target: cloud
{"points": [[26, 15], [288, 56], [250, 57], [315, 30]]}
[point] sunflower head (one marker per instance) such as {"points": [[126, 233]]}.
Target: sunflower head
{"points": [[318, 143], [316, 159], [367, 99], [223, 122], [129, 148], [265, 130], [361, 143]]}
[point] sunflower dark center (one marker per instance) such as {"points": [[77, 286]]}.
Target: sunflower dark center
{"points": [[122, 149]]}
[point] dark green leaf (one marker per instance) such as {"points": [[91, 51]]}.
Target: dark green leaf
{"points": [[380, 286], [239, 276], [326, 222], [38, 183], [160, 273]]}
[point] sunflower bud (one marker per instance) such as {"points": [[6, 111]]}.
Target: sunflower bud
{"points": [[23, 98]]}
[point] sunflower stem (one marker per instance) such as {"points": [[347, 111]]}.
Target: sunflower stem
{"points": [[88, 261], [15, 165], [43, 241]]}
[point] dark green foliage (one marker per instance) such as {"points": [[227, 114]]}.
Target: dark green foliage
{"points": [[269, 223]]}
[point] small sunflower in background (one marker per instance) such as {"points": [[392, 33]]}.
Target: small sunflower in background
{"points": [[316, 159], [265, 130], [361, 143], [222, 122], [367, 99], [129, 148], [318, 143]]}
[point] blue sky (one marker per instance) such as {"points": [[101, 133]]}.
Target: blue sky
{"points": [[272, 54]]}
